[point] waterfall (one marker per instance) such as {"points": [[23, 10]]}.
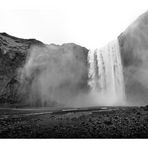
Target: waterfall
{"points": [[106, 75]]}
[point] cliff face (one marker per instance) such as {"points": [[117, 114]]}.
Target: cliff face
{"points": [[15, 54], [134, 51]]}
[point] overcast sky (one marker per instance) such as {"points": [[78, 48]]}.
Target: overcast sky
{"points": [[90, 23]]}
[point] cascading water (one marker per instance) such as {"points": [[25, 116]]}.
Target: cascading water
{"points": [[106, 75]]}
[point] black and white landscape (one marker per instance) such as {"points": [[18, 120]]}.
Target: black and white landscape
{"points": [[69, 91]]}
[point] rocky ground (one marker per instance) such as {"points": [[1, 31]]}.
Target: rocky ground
{"points": [[114, 122]]}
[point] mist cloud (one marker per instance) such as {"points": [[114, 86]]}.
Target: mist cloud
{"points": [[54, 75]]}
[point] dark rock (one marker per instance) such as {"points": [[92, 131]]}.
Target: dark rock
{"points": [[107, 121]]}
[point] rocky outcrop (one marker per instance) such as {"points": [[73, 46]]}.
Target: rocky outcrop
{"points": [[14, 53]]}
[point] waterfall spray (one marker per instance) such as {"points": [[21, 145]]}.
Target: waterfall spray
{"points": [[106, 75]]}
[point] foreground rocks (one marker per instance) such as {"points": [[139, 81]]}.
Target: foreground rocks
{"points": [[122, 122]]}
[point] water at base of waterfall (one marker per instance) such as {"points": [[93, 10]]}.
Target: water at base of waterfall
{"points": [[106, 79]]}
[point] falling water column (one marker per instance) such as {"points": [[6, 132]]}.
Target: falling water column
{"points": [[106, 74]]}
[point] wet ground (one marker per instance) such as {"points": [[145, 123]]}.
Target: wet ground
{"points": [[93, 122]]}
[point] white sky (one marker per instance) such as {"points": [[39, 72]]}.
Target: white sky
{"points": [[89, 23]]}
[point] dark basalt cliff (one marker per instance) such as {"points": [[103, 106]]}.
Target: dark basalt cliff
{"points": [[13, 52], [13, 55], [134, 52]]}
